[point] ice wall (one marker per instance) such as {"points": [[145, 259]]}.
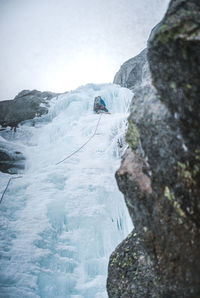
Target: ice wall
{"points": [[60, 223]]}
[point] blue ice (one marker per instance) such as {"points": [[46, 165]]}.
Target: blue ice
{"points": [[60, 223]]}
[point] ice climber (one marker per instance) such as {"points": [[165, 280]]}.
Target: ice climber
{"points": [[100, 106]]}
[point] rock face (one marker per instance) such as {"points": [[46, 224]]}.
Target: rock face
{"points": [[160, 172], [133, 72], [26, 105], [11, 158], [177, 42], [130, 270]]}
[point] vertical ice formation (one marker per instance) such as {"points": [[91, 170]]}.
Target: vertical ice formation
{"points": [[59, 224]]}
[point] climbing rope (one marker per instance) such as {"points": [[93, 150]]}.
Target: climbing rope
{"points": [[59, 161], [7, 187], [83, 144]]}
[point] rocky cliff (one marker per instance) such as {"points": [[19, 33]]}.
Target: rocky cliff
{"points": [[25, 106], [133, 72], [160, 172]]}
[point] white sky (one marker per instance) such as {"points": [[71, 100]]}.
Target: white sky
{"points": [[58, 45]]}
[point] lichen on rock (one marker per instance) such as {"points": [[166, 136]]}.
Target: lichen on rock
{"points": [[160, 172]]}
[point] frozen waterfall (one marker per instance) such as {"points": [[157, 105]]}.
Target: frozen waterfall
{"points": [[60, 223]]}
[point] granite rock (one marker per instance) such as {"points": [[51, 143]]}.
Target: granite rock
{"points": [[26, 105], [160, 172]]}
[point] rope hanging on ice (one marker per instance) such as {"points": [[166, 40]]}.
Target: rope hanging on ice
{"points": [[7, 187], [84, 143], [59, 161]]}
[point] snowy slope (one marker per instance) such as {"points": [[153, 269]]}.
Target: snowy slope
{"points": [[60, 223]]}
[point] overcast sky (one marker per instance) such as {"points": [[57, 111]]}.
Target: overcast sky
{"points": [[58, 45]]}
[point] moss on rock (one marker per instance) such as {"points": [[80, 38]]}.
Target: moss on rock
{"points": [[133, 136]]}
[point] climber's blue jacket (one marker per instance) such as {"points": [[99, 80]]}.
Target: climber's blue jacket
{"points": [[99, 105]]}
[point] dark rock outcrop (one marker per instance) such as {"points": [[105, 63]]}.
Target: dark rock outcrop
{"points": [[176, 43], [26, 105], [160, 172], [12, 161], [130, 265], [133, 72]]}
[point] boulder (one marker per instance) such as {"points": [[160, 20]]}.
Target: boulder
{"points": [[12, 161], [26, 105], [160, 171]]}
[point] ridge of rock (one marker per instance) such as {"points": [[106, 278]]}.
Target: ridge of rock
{"points": [[26, 105], [133, 72], [160, 172]]}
